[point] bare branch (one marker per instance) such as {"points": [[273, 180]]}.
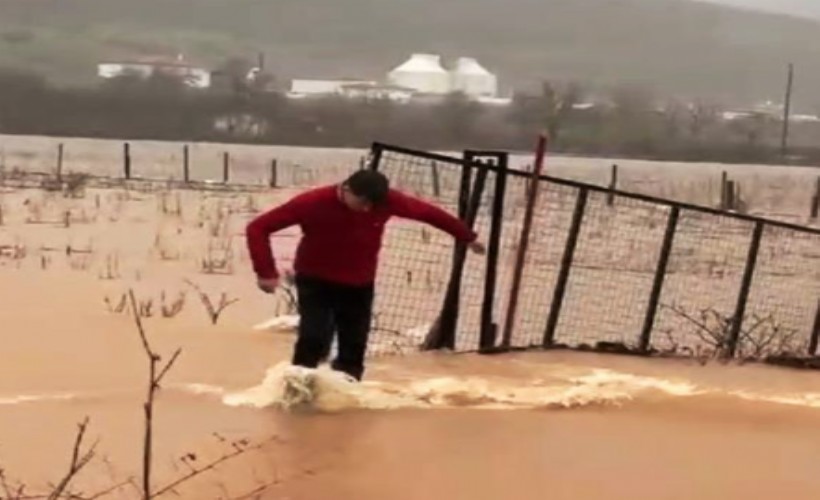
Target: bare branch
{"points": [[213, 311], [196, 471], [148, 406], [168, 366], [138, 322], [78, 461], [111, 489]]}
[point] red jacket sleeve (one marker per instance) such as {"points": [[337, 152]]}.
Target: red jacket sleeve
{"points": [[259, 230], [407, 207]]}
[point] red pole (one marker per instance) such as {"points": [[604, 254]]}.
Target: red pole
{"points": [[518, 269]]}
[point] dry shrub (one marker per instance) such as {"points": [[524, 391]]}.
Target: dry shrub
{"points": [[75, 184], [112, 267], [219, 257], [163, 249], [169, 310], [214, 310]]}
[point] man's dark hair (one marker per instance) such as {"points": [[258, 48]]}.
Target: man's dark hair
{"points": [[371, 185]]}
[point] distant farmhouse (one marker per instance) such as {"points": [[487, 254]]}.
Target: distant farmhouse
{"points": [[192, 75], [349, 88]]}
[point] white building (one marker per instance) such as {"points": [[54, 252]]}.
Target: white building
{"points": [[305, 87], [191, 75], [469, 77], [423, 73], [373, 90], [422, 76], [354, 89]]}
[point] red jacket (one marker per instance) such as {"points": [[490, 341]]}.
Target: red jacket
{"points": [[339, 244]]}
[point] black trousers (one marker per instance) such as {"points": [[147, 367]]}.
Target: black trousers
{"points": [[326, 308]]}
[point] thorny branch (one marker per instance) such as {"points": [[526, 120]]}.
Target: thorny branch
{"points": [[78, 461], [153, 385], [110, 489], [213, 311], [239, 447], [8, 489], [714, 329], [715, 337]]}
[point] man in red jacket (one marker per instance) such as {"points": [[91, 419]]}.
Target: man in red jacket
{"points": [[337, 258]]}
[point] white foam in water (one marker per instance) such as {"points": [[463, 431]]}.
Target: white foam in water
{"points": [[33, 398], [322, 389], [204, 389], [285, 324], [611, 379], [810, 400]]}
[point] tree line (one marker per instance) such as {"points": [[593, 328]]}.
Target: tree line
{"points": [[624, 122]]}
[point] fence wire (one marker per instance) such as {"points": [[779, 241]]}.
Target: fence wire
{"points": [[158, 161], [702, 283], [474, 274], [781, 308], [415, 267], [612, 272], [551, 219]]}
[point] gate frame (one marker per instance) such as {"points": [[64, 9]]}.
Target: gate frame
{"points": [[442, 333], [488, 333]]}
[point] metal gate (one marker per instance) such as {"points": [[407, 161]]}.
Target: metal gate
{"points": [[605, 270]]}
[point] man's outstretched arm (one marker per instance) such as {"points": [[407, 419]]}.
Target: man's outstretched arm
{"points": [[259, 230], [408, 207]]}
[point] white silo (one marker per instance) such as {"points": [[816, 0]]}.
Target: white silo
{"points": [[423, 73], [474, 80]]}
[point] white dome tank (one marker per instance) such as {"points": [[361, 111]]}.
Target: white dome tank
{"points": [[470, 77], [423, 73]]}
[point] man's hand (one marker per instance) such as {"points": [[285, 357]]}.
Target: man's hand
{"points": [[477, 248], [268, 285]]}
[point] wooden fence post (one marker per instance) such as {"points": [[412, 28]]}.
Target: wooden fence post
{"points": [[274, 174], [186, 169], [613, 185], [127, 160], [60, 149]]}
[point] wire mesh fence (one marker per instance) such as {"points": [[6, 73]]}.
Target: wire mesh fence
{"points": [[702, 281], [603, 267], [551, 219], [471, 287], [612, 271], [107, 162], [415, 272], [783, 298]]}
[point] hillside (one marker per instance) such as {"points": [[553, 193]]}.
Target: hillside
{"points": [[801, 8], [675, 46]]}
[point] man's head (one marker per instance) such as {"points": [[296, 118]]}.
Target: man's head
{"points": [[365, 189]]}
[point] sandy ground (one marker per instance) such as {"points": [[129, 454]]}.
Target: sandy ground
{"points": [[523, 426]]}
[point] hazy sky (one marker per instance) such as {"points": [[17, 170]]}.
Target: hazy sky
{"points": [[806, 8]]}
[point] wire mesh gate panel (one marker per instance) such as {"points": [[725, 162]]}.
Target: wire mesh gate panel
{"points": [[420, 264]]}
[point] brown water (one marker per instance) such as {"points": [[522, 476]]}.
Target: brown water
{"points": [[421, 426], [561, 425]]}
